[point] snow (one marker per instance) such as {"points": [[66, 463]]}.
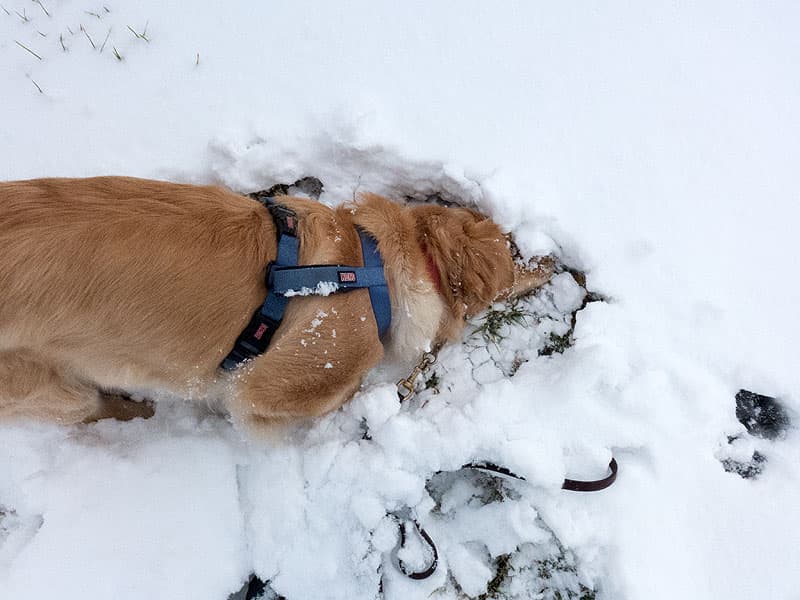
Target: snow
{"points": [[652, 145], [323, 288]]}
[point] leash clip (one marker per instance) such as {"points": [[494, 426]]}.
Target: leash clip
{"points": [[405, 387]]}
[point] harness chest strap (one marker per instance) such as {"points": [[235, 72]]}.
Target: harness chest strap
{"points": [[285, 278]]}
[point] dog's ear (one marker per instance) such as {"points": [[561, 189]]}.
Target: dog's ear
{"points": [[471, 256], [487, 267]]}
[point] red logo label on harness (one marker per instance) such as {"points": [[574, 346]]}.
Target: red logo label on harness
{"points": [[347, 277], [260, 331]]}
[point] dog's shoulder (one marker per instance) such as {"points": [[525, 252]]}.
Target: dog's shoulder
{"points": [[418, 309]]}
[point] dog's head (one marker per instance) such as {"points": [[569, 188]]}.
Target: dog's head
{"points": [[465, 254], [471, 257]]}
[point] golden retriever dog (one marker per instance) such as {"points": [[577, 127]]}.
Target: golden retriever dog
{"points": [[115, 284]]}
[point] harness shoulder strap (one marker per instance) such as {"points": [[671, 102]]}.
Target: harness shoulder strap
{"points": [[284, 279], [378, 289], [256, 336]]}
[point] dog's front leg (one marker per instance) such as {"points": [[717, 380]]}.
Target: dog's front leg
{"points": [[286, 384]]}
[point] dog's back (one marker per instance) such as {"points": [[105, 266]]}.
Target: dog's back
{"points": [[112, 267]]}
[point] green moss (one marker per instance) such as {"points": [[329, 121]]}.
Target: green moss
{"points": [[496, 321], [432, 383], [557, 344], [502, 569]]}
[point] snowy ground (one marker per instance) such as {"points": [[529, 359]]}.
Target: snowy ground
{"points": [[652, 145]]}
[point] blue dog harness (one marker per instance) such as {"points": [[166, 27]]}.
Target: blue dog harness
{"points": [[285, 278]]}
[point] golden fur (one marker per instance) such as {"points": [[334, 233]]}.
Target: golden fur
{"points": [[114, 283]]}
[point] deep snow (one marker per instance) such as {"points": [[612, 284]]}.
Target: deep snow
{"points": [[652, 145]]}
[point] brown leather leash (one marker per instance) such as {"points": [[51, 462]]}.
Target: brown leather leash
{"points": [[597, 485], [573, 485], [406, 389], [434, 562], [256, 586]]}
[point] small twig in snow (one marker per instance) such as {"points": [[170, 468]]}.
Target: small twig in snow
{"points": [[22, 15], [117, 54], [37, 86], [88, 37], [92, 14], [44, 35], [24, 47], [61, 39], [5, 10], [356, 188], [39, 2], [141, 36], [197, 60], [105, 40]]}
